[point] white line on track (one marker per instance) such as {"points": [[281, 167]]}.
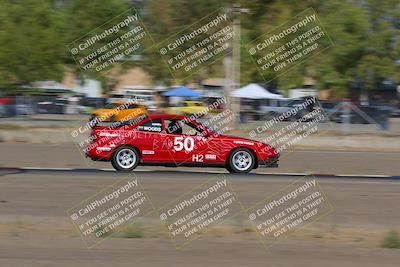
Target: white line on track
{"points": [[363, 175], [46, 168], [222, 171]]}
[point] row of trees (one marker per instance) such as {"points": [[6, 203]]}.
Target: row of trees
{"points": [[366, 36]]}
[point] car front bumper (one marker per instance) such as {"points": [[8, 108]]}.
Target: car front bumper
{"points": [[271, 162]]}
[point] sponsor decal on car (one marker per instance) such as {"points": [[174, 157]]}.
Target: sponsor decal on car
{"points": [[243, 143], [103, 148], [108, 134], [149, 129], [211, 156]]}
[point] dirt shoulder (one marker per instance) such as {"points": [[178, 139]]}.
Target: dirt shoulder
{"points": [[35, 230]]}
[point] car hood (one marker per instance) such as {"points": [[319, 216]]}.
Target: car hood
{"points": [[249, 142], [242, 139]]}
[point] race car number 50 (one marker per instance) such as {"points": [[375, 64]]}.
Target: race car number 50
{"points": [[180, 143]]}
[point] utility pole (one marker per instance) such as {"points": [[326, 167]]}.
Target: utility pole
{"points": [[232, 66]]}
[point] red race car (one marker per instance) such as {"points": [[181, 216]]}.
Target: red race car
{"points": [[170, 140]]}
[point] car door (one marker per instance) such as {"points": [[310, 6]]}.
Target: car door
{"points": [[183, 142], [146, 135]]}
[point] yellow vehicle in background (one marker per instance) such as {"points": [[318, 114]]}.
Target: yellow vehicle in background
{"points": [[187, 108], [119, 112]]}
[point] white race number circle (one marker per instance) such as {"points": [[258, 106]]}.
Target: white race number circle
{"points": [[187, 144]]}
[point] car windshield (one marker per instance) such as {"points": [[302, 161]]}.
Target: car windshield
{"points": [[206, 127]]}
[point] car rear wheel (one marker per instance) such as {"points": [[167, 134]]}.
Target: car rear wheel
{"points": [[241, 160], [125, 159]]}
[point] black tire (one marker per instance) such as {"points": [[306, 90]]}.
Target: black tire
{"points": [[245, 165], [125, 158], [229, 168]]}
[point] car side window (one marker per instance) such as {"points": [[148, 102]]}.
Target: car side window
{"points": [[173, 126], [182, 128], [153, 126]]}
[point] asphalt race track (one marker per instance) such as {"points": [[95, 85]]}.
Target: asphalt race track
{"points": [[36, 231], [299, 161]]}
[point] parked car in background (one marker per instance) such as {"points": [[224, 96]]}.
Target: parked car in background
{"points": [[3, 112], [362, 114], [139, 94], [115, 98], [55, 106], [10, 106], [88, 104], [187, 108], [395, 111], [272, 108], [121, 111], [328, 106]]}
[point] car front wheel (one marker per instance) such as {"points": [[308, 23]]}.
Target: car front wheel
{"points": [[125, 159], [241, 160]]}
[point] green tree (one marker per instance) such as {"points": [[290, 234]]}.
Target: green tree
{"points": [[31, 38], [85, 16], [378, 61], [166, 18]]}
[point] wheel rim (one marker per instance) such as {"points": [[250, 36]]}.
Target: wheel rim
{"points": [[242, 160], [126, 158]]}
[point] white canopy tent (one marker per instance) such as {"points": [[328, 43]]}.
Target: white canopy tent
{"points": [[255, 91]]}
